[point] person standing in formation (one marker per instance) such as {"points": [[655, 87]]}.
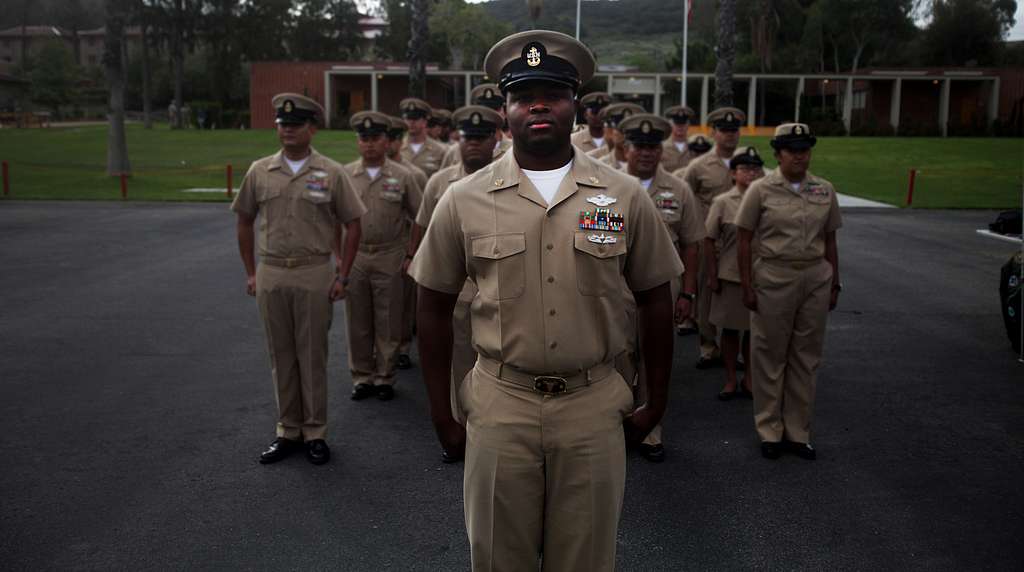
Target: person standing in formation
{"points": [[592, 136], [676, 153], [420, 149], [613, 153]]}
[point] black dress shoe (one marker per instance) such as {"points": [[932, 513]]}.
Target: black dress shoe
{"points": [[727, 395], [317, 452], [771, 449], [278, 450], [802, 450], [653, 453], [362, 391], [685, 330], [745, 393], [704, 362], [449, 458], [404, 362], [385, 392]]}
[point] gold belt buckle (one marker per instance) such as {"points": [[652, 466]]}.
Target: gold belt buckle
{"points": [[549, 384]]}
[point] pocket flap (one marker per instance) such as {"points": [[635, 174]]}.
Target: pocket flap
{"points": [[264, 194], [497, 246], [596, 243], [316, 197]]}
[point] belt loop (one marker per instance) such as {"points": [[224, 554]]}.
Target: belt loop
{"points": [[588, 377], [501, 366]]}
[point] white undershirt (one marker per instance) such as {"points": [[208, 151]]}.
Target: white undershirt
{"points": [[726, 161], [547, 182], [296, 166], [598, 141], [373, 172], [415, 147], [647, 183], [680, 146]]}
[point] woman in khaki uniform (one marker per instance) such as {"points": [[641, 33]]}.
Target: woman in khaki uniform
{"points": [[723, 278], [790, 290]]}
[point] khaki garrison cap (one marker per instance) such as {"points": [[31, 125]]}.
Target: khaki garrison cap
{"points": [[293, 108], [616, 112], [539, 55], [370, 122], [727, 119], [698, 143], [645, 128], [477, 120], [487, 94], [795, 136], [745, 156], [679, 113], [413, 108], [595, 100], [440, 117]]}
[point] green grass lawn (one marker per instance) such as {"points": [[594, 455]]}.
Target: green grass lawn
{"points": [[69, 163]]}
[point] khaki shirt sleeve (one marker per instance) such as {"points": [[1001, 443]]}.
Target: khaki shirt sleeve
{"points": [[714, 222], [245, 201], [691, 217], [690, 177], [835, 220], [413, 196], [347, 204], [440, 262], [749, 213], [427, 204], [652, 259]]}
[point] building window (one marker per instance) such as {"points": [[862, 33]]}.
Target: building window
{"points": [[860, 100]]}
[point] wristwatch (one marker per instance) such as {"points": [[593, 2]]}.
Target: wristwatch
{"points": [[688, 296], [838, 286], [343, 279]]}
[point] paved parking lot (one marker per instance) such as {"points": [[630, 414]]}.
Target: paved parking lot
{"points": [[136, 397]]}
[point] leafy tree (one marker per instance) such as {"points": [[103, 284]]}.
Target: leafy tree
{"points": [[418, 38], [726, 52], [968, 32], [119, 13], [861, 25], [467, 31], [54, 76], [263, 29], [325, 30]]}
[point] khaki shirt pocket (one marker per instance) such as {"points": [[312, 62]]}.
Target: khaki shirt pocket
{"points": [[314, 206], [499, 262], [598, 272]]}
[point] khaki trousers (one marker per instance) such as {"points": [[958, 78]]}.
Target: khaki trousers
{"points": [[630, 364], [708, 333], [463, 354], [296, 310], [374, 306], [544, 475], [787, 336]]}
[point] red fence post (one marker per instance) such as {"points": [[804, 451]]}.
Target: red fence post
{"points": [[231, 183], [7, 181], [124, 186], [910, 188]]}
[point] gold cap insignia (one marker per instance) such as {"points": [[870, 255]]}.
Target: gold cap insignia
{"points": [[475, 119], [533, 57], [645, 127], [730, 117], [488, 93], [798, 130], [626, 113], [752, 152], [288, 106], [367, 123], [410, 107]]}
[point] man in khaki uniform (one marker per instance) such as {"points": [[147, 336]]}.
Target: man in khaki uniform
{"points": [[487, 95], [302, 199], [592, 136], [708, 176], [698, 145], [398, 128], [419, 149], [439, 125], [548, 236], [675, 153], [478, 127], [679, 211], [613, 153], [376, 298], [790, 290]]}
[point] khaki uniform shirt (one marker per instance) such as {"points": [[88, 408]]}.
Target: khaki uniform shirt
{"points": [[678, 207], [550, 277], [428, 159], [600, 151], [584, 140], [436, 187], [298, 211], [672, 159], [418, 175], [392, 199], [721, 227], [709, 177], [454, 154], [610, 160], [790, 225]]}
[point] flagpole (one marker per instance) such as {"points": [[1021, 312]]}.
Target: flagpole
{"points": [[578, 18], [686, 30]]}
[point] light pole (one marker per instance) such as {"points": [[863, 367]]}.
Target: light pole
{"points": [[578, 3]]}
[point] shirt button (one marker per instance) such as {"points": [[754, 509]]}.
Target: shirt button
{"points": [[551, 279], [551, 312], [553, 345], [551, 246]]}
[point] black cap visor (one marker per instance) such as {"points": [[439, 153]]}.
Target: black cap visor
{"points": [[798, 143]]}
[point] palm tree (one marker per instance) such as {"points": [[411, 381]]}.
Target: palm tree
{"points": [[418, 48], [726, 52], [535, 7], [118, 15]]}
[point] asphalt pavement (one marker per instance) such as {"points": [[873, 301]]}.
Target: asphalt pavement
{"points": [[135, 397]]}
